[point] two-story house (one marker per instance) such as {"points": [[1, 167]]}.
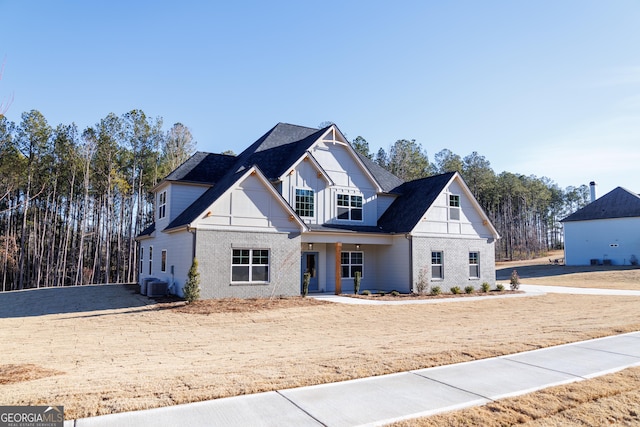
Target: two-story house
{"points": [[303, 200]]}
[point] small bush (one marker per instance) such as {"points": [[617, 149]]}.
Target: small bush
{"points": [[435, 290], [395, 293], [469, 289], [382, 293], [191, 289], [499, 287], [515, 280], [356, 282], [423, 282], [366, 292], [455, 290], [486, 287], [306, 279]]}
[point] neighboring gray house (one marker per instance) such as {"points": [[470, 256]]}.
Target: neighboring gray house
{"points": [[606, 231], [302, 199]]}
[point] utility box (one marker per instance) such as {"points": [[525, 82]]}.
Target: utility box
{"points": [[144, 284], [157, 288]]}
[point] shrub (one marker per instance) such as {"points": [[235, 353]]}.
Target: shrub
{"points": [[469, 289], [455, 290], [366, 292], [486, 287], [191, 289], [515, 280], [305, 283], [435, 290], [382, 293], [356, 282], [423, 282], [499, 287], [395, 293]]}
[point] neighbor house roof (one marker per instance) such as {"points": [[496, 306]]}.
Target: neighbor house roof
{"points": [[618, 203], [415, 198]]}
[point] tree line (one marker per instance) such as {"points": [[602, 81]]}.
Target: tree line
{"points": [[525, 209], [71, 202]]}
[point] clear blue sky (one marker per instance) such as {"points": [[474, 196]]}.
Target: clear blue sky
{"points": [[545, 87]]}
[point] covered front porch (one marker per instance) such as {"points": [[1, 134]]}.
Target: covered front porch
{"points": [[333, 258]]}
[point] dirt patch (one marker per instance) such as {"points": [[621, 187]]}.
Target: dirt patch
{"points": [[237, 305], [10, 374]]}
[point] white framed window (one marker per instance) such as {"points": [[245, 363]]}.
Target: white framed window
{"points": [[141, 259], [162, 205], [437, 265], [454, 207], [250, 265], [350, 262], [474, 265], [305, 202], [349, 207], [163, 261], [150, 258]]}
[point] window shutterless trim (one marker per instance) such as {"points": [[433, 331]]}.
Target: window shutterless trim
{"points": [[250, 266]]}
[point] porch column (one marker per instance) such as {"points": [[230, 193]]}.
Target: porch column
{"points": [[338, 268]]}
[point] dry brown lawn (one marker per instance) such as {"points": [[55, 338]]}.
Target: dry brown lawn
{"points": [[540, 272], [114, 360]]}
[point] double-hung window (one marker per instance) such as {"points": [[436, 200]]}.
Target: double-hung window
{"points": [[351, 262], [474, 265], [162, 205], [437, 270], [250, 265], [349, 207], [454, 207], [305, 203]]}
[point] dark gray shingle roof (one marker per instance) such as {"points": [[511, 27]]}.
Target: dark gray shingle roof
{"points": [[386, 179], [203, 167], [275, 152], [415, 198], [618, 203]]}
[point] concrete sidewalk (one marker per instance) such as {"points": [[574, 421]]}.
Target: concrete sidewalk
{"points": [[384, 399]]}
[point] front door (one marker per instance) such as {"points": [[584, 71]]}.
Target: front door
{"points": [[310, 265]]}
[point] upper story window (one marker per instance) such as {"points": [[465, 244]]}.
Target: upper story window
{"points": [[349, 207], [162, 204], [454, 207], [305, 202]]}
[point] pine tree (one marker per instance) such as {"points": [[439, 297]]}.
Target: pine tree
{"points": [[191, 289]]}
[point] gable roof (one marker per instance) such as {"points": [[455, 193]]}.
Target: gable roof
{"points": [[203, 167], [203, 202], [618, 203], [415, 198], [275, 151]]}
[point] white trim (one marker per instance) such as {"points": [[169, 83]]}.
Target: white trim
{"points": [[268, 186]]}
